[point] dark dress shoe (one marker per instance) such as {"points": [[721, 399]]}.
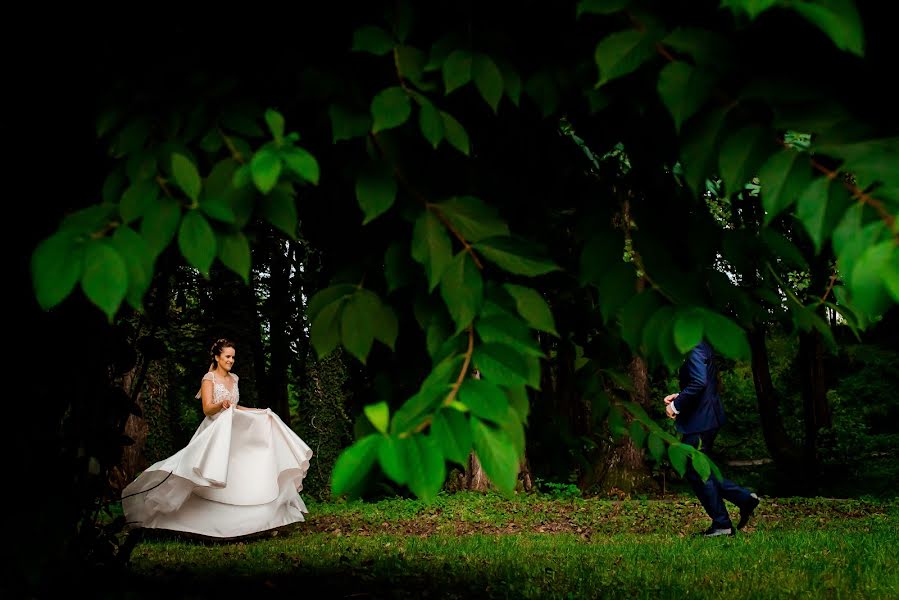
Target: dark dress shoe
{"points": [[746, 511]]}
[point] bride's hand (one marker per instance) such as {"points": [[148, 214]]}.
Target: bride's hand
{"points": [[226, 404]]}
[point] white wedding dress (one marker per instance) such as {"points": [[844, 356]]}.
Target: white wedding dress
{"points": [[241, 473]]}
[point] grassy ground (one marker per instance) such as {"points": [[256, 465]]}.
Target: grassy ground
{"points": [[470, 545]]}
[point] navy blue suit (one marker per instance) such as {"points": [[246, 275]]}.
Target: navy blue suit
{"points": [[700, 415]]}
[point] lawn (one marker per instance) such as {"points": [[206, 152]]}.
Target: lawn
{"points": [[487, 546]]}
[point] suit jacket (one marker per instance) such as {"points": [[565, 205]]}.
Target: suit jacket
{"points": [[698, 404]]}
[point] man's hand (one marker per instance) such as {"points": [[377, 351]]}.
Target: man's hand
{"points": [[669, 406]]}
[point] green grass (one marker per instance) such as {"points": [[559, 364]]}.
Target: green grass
{"points": [[470, 545]]}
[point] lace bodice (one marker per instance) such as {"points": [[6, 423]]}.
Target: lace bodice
{"points": [[220, 390]]}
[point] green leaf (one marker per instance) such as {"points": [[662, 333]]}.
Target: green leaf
{"points": [[532, 307], [451, 431], [375, 192], [511, 82], [275, 122], [265, 168], [820, 208], [617, 426], [432, 394], [301, 163], [356, 331], [616, 287], [138, 199], [496, 454], [378, 414], [501, 364], [851, 239], [373, 40], [706, 48], [324, 335], [455, 133], [431, 123], [637, 433], [677, 454], [890, 273], [601, 7], [385, 326], [472, 218], [656, 446], [635, 314], [508, 330], [457, 70], [488, 79], [56, 266], [870, 284], [196, 239], [234, 252], [105, 276], [484, 399], [784, 248], [159, 224], [353, 465], [741, 156], [186, 176], [683, 89], [622, 53], [346, 125], [783, 177], [701, 464], [688, 330], [89, 220], [601, 253], [518, 400], [462, 288], [544, 91], [243, 121], [431, 247], [324, 297], [218, 208], [699, 148], [619, 380], [393, 456], [397, 266], [390, 108], [280, 209], [138, 260], [112, 186], [753, 8], [410, 62], [725, 336], [839, 19], [426, 468], [515, 256]]}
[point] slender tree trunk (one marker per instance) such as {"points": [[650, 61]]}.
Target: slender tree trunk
{"points": [[780, 446], [279, 341], [814, 398]]}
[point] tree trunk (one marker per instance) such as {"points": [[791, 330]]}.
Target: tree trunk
{"points": [[623, 469], [475, 479], [279, 343], [780, 446], [814, 399]]}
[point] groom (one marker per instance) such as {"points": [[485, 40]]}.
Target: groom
{"points": [[699, 414]]}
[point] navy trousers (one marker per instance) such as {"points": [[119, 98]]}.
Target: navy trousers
{"points": [[713, 492]]}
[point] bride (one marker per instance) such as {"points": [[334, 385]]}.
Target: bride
{"points": [[241, 473]]}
